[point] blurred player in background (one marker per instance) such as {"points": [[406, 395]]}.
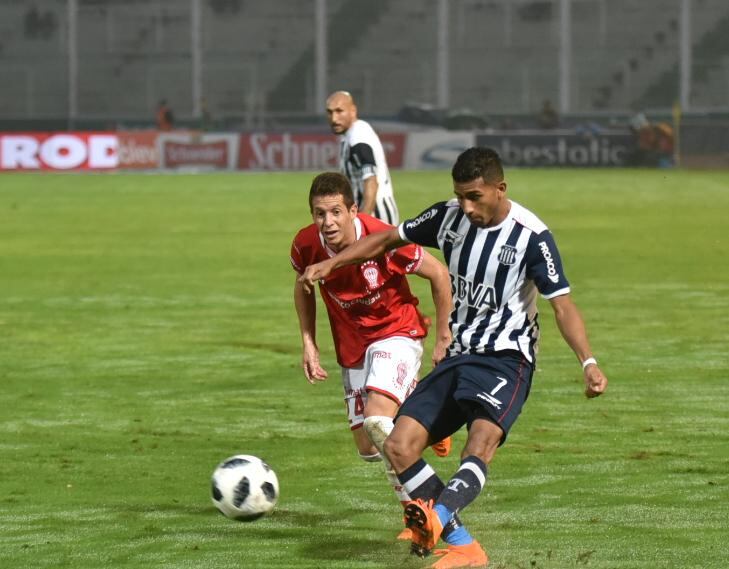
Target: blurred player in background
{"points": [[362, 159], [500, 257], [377, 329]]}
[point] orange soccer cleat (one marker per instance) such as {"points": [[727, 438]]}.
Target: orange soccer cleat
{"points": [[405, 535], [423, 520], [456, 556], [442, 448]]}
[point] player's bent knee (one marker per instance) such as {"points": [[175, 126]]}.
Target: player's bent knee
{"points": [[378, 428], [399, 453]]}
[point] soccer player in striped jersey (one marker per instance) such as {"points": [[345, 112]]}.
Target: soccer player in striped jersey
{"points": [[500, 257], [362, 159], [375, 321]]}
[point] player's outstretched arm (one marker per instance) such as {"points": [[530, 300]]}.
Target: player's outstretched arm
{"points": [[306, 311], [440, 287], [573, 330], [367, 248]]}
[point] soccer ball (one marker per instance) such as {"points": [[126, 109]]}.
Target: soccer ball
{"points": [[244, 487]]}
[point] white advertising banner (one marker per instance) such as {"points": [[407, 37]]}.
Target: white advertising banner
{"points": [[435, 150], [61, 151]]}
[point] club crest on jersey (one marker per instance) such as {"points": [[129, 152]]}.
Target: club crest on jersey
{"points": [[507, 255], [371, 274]]}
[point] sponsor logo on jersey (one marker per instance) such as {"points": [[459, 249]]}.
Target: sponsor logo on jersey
{"points": [[417, 259], [551, 269], [421, 218], [476, 295], [367, 300], [451, 237], [507, 255]]}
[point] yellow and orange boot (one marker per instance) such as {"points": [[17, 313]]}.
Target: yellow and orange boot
{"points": [[457, 556], [442, 448], [425, 524]]}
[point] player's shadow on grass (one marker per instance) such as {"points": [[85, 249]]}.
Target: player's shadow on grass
{"points": [[339, 539]]}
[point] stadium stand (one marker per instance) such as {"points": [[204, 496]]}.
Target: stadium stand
{"points": [[258, 57], [710, 70]]}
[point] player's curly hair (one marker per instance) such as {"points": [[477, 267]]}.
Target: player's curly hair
{"points": [[478, 162], [331, 184]]}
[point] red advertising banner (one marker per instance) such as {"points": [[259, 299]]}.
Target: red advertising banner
{"points": [[193, 150], [59, 151], [394, 146], [213, 154], [138, 150], [288, 151]]}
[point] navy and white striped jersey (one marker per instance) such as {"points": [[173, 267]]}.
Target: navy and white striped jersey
{"points": [[361, 156], [495, 273]]}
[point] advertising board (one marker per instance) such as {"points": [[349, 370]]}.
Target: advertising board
{"points": [[305, 151], [59, 151], [561, 149], [216, 151], [435, 150]]}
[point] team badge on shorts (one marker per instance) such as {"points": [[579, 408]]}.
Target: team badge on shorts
{"points": [[402, 373], [507, 255]]}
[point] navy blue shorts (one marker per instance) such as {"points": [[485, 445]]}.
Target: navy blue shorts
{"points": [[467, 387]]}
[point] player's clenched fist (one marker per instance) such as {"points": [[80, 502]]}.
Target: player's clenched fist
{"points": [[314, 273]]}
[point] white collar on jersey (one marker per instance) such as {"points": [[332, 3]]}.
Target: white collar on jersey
{"points": [[507, 219], [357, 236]]}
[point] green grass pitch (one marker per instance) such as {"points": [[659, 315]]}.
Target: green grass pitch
{"points": [[147, 331]]}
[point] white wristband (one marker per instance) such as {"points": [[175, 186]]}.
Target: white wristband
{"points": [[589, 361]]}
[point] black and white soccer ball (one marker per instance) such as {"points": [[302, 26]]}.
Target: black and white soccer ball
{"points": [[244, 487]]}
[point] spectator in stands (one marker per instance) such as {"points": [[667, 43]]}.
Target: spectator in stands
{"points": [[362, 159], [664, 144], [654, 142], [548, 117], [165, 118]]}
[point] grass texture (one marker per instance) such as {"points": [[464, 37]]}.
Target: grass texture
{"points": [[147, 331]]}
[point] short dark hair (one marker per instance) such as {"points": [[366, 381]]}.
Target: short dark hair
{"points": [[478, 162], [331, 184]]}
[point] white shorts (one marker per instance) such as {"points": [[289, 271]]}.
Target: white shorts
{"points": [[390, 366]]}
